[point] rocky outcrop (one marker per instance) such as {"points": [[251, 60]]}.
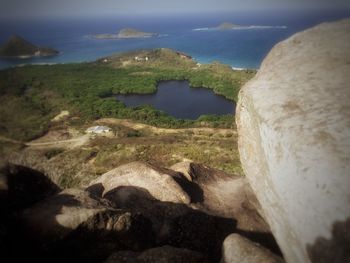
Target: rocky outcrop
{"points": [[293, 122], [21, 187], [239, 249], [162, 184], [121, 220], [159, 254], [225, 195], [57, 216]]}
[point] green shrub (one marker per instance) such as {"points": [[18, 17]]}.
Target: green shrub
{"points": [[53, 152]]}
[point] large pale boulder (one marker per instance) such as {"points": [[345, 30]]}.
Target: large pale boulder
{"points": [[225, 195], [57, 216], [293, 122], [240, 249], [163, 184]]}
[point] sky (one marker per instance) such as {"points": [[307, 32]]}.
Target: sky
{"points": [[71, 8]]}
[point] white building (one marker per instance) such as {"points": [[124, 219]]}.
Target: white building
{"points": [[98, 129]]}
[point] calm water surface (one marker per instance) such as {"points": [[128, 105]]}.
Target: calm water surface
{"points": [[179, 100]]}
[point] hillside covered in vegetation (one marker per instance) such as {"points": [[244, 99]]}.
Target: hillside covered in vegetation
{"points": [[34, 94]]}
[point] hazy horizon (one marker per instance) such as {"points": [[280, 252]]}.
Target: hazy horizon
{"points": [[90, 8]]}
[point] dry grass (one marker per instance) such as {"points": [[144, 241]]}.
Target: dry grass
{"points": [[77, 166]]}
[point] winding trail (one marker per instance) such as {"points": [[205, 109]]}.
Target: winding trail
{"points": [[78, 141], [158, 130]]}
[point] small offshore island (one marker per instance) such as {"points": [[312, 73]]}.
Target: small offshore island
{"points": [[17, 47], [231, 26], [126, 33]]}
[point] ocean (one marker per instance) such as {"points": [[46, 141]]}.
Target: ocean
{"points": [[239, 48]]}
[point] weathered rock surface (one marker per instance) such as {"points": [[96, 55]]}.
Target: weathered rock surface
{"points": [[239, 249], [175, 224], [184, 167], [57, 216], [225, 195], [293, 122], [101, 235], [122, 213], [229, 196], [165, 254], [72, 226], [162, 184], [21, 187]]}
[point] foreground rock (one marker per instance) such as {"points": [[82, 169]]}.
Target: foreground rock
{"points": [[140, 188], [293, 122], [239, 249], [162, 184], [225, 195], [72, 226], [160, 254], [134, 213], [56, 217], [21, 187], [229, 196]]}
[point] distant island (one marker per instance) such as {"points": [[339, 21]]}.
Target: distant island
{"points": [[126, 33], [231, 26], [17, 47], [227, 25]]}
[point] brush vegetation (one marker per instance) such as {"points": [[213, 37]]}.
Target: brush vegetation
{"points": [[32, 95]]}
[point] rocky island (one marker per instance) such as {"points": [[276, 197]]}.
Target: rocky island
{"points": [[126, 33], [227, 26], [17, 47], [231, 26]]}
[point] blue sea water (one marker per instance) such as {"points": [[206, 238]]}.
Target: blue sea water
{"points": [[238, 48]]}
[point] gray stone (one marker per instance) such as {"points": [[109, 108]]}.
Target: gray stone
{"points": [[225, 195], [184, 168], [162, 184], [165, 254], [239, 249], [21, 187], [55, 217], [293, 122]]}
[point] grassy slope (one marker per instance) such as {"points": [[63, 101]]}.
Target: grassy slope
{"points": [[32, 95], [71, 167]]}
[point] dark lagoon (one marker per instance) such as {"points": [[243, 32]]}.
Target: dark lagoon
{"points": [[179, 100]]}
